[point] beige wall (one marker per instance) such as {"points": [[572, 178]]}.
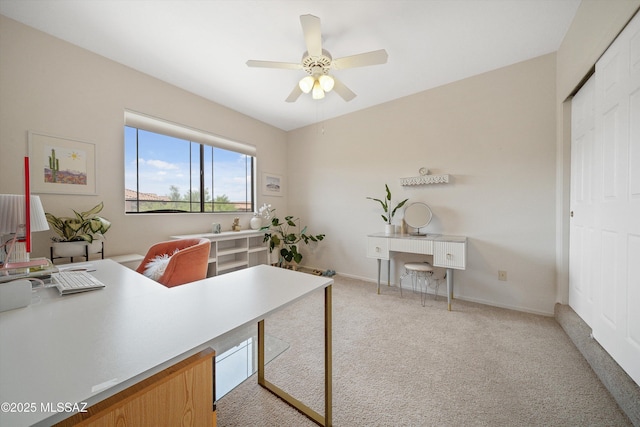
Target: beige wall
{"points": [[493, 133], [52, 87], [595, 26], [501, 136]]}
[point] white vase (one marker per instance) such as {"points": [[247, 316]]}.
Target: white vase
{"points": [[389, 229], [256, 222], [273, 258]]}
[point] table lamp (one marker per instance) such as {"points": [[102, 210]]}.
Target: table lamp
{"points": [[13, 221]]}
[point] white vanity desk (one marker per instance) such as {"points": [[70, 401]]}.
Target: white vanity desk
{"points": [[449, 252]]}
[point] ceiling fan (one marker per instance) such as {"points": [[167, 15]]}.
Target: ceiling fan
{"points": [[317, 63]]}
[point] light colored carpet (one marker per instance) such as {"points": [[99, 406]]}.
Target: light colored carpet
{"points": [[397, 363]]}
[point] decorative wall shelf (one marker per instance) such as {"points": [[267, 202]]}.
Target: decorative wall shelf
{"points": [[425, 179]]}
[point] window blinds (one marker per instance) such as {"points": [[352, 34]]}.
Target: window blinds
{"points": [[152, 124]]}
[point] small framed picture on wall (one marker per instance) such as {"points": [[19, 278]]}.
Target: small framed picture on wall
{"points": [[61, 165], [272, 184]]}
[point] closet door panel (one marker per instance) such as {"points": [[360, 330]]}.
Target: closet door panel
{"points": [[584, 176], [615, 322]]}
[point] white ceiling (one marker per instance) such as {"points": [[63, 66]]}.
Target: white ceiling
{"points": [[202, 46]]}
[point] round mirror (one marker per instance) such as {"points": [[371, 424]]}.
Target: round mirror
{"points": [[417, 215]]}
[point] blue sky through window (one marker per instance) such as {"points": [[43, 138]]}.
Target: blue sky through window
{"points": [[164, 161]]}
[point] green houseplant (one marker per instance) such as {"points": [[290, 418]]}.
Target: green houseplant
{"points": [[84, 227], [388, 214], [287, 235]]}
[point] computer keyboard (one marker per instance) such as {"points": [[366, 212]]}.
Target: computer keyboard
{"points": [[71, 282]]}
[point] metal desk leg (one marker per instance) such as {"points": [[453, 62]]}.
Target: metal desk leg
{"points": [[389, 273], [449, 287], [379, 263], [328, 386]]}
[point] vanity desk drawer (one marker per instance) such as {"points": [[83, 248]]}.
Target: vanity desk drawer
{"points": [[378, 247], [450, 254], [417, 245]]}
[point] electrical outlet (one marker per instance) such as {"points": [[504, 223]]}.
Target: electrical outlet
{"points": [[502, 275]]}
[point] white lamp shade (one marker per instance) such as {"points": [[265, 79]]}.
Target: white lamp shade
{"points": [[12, 213], [306, 84], [326, 82], [317, 92]]}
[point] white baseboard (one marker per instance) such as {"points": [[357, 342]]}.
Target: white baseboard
{"points": [[443, 292]]}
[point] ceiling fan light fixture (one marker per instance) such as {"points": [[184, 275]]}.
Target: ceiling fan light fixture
{"points": [[317, 92], [326, 82], [317, 63], [306, 84]]}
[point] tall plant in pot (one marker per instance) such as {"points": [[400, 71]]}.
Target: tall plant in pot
{"points": [[287, 236], [388, 214], [74, 233]]}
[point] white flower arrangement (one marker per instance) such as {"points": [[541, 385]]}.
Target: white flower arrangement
{"points": [[265, 211]]}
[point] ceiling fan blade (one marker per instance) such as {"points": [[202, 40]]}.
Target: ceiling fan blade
{"points": [[312, 35], [294, 95], [272, 64], [339, 88], [361, 60]]}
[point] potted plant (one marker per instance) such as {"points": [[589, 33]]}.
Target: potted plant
{"points": [[286, 235], [74, 233], [386, 207]]}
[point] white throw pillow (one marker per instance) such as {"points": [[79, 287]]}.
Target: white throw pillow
{"points": [[156, 266]]}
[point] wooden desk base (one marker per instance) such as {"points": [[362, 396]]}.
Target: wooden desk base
{"points": [[181, 395]]}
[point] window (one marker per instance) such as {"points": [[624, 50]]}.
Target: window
{"points": [[169, 168]]}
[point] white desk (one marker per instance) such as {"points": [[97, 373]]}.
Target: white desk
{"points": [[448, 251], [87, 347]]}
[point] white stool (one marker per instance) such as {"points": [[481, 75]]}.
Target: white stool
{"points": [[419, 271]]}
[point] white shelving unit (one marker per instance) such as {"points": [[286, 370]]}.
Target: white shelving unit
{"points": [[233, 250]]}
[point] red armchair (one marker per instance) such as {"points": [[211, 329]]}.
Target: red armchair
{"points": [[176, 262]]}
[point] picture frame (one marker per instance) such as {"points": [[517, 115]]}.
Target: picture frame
{"points": [[272, 184], [61, 165]]}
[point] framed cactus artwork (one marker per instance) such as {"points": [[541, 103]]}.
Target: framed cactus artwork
{"points": [[61, 165]]}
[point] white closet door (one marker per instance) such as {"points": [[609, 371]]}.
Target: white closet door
{"points": [[583, 247], [610, 240]]}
